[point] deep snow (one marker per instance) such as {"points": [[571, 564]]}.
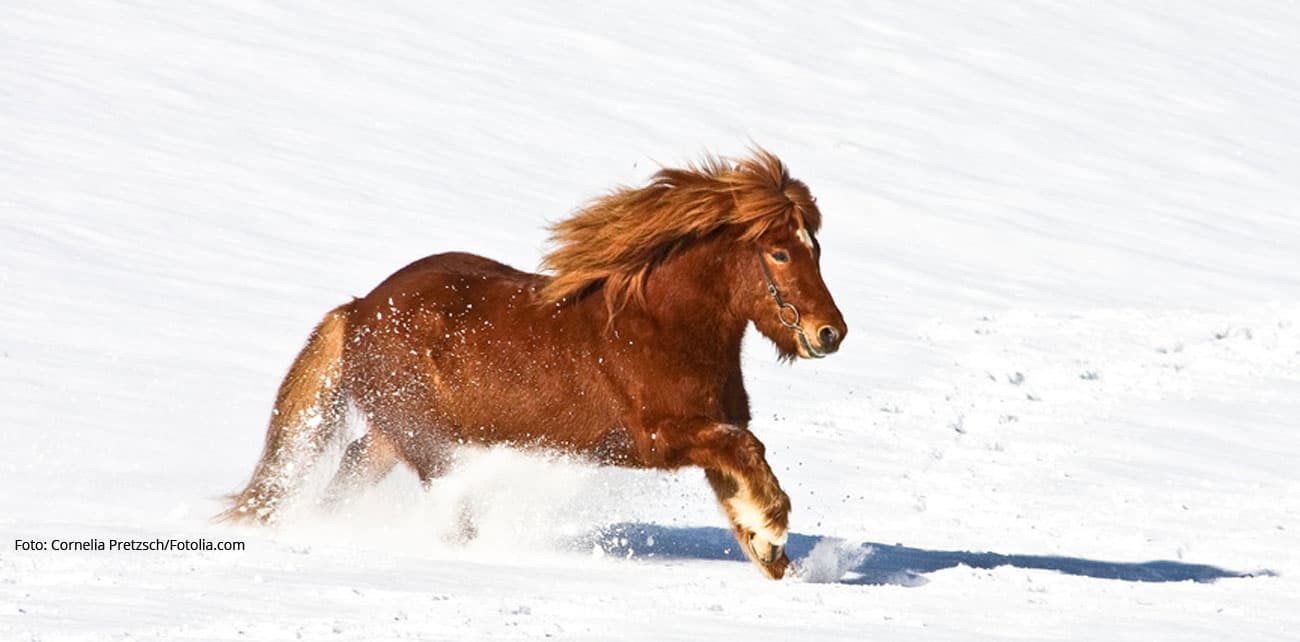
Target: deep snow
{"points": [[1063, 235]]}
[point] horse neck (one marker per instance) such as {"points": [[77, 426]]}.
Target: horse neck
{"points": [[689, 297]]}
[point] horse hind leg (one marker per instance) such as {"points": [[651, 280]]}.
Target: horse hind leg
{"points": [[370, 458], [365, 461], [432, 460], [431, 454]]}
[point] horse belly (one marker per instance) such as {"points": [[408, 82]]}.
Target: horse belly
{"points": [[499, 395]]}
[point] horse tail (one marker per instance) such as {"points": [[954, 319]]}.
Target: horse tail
{"points": [[310, 411]]}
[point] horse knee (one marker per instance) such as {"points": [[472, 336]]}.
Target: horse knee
{"points": [[738, 447]]}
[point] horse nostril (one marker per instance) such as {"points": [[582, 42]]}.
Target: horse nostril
{"points": [[830, 338]]}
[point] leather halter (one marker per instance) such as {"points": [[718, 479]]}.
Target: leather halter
{"points": [[782, 305]]}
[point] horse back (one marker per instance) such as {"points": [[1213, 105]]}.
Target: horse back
{"points": [[457, 264]]}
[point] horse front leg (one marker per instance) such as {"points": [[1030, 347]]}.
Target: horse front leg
{"points": [[749, 493], [760, 530]]}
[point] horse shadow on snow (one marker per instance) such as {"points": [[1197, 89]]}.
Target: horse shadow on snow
{"points": [[878, 564]]}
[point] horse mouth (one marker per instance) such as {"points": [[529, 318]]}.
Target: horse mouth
{"points": [[808, 350]]}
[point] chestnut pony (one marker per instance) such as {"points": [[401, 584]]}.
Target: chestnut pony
{"points": [[628, 353]]}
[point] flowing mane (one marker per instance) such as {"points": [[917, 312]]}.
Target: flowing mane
{"points": [[616, 240]]}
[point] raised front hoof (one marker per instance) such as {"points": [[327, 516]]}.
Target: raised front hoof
{"points": [[770, 558]]}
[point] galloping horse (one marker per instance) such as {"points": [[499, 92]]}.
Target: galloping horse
{"points": [[628, 353]]}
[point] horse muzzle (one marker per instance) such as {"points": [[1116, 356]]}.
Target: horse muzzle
{"points": [[826, 342]]}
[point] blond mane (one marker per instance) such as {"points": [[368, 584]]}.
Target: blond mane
{"points": [[616, 240]]}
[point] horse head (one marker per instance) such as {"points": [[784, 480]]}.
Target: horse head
{"points": [[784, 295]]}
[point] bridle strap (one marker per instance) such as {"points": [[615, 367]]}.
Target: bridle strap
{"points": [[781, 304]]}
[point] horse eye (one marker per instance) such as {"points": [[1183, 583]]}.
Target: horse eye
{"points": [[780, 256]]}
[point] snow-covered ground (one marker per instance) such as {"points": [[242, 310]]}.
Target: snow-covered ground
{"points": [[1063, 233]]}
